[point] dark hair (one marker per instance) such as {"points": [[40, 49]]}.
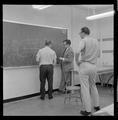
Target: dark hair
{"points": [[67, 41], [85, 30], [48, 42]]}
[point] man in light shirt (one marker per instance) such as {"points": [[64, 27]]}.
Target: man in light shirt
{"points": [[47, 59], [89, 50]]}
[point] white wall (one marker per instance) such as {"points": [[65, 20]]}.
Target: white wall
{"points": [[19, 82], [78, 22], [24, 81], [106, 30]]}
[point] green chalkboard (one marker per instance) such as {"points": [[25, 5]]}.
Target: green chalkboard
{"points": [[21, 42]]}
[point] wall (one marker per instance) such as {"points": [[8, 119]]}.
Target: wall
{"points": [[24, 81], [19, 82], [106, 30]]}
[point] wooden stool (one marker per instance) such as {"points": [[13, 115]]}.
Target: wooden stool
{"points": [[73, 89]]}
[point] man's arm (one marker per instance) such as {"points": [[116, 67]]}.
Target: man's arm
{"points": [[70, 57], [98, 53], [38, 56], [80, 47], [55, 58], [77, 58]]}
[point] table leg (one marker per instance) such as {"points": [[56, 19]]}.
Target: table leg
{"points": [[100, 80], [109, 79]]}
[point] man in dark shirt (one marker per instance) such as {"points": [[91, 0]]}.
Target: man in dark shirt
{"points": [[67, 66]]}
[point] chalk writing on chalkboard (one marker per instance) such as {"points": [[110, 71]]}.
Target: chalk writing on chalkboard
{"points": [[21, 42]]}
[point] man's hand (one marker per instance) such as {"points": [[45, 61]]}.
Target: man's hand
{"points": [[77, 58], [61, 58]]}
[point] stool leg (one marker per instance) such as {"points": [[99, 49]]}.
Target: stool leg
{"points": [[65, 97], [81, 96]]}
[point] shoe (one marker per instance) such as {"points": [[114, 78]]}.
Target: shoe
{"points": [[97, 108], [85, 113], [42, 98], [68, 92], [50, 97]]}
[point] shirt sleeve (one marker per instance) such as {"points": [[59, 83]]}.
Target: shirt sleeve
{"points": [[38, 56], [69, 57], [81, 46]]}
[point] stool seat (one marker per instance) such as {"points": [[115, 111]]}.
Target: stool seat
{"points": [[73, 93]]}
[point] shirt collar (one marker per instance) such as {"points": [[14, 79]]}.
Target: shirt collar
{"points": [[47, 47], [86, 37]]}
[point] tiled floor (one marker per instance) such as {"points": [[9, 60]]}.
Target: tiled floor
{"points": [[54, 107]]}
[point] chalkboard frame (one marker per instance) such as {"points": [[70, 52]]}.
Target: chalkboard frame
{"points": [[30, 66]]}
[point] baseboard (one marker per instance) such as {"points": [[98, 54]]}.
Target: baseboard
{"points": [[36, 94], [24, 97], [105, 84]]}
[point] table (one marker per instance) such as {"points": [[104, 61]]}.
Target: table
{"points": [[106, 111], [105, 70]]}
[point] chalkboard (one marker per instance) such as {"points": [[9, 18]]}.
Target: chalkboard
{"points": [[21, 42]]}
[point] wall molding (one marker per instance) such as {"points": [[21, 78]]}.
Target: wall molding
{"points": [[107, 39], [36, 94], [107, 51], [24, 97]]}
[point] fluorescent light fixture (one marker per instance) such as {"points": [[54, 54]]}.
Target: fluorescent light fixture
{"points": [[40, 7], [102, 15]]}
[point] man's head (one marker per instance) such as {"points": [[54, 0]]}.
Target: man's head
{"points": [[48, 43], [66, 43], [84, 32]]}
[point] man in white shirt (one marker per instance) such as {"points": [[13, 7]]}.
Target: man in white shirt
{"points": [[89, 50], [47, 59]]}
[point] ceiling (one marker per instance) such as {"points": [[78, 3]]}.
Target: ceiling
{"points": [[26, 10], [97, 6]]}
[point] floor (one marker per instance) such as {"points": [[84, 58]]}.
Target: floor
{"points": [[54, 107]]}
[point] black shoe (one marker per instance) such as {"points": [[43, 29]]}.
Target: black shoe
{"points": [[68, 92], [85, 113], [97, 108], [50, 97], [42, 98]]}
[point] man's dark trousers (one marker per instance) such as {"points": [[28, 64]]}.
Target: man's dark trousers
{"points": [[46, 72]]}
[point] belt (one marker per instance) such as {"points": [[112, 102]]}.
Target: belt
{"points": [[46, 64]]}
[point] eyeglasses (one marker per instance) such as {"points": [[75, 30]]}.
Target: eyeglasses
{"points": [[64, 44]]}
